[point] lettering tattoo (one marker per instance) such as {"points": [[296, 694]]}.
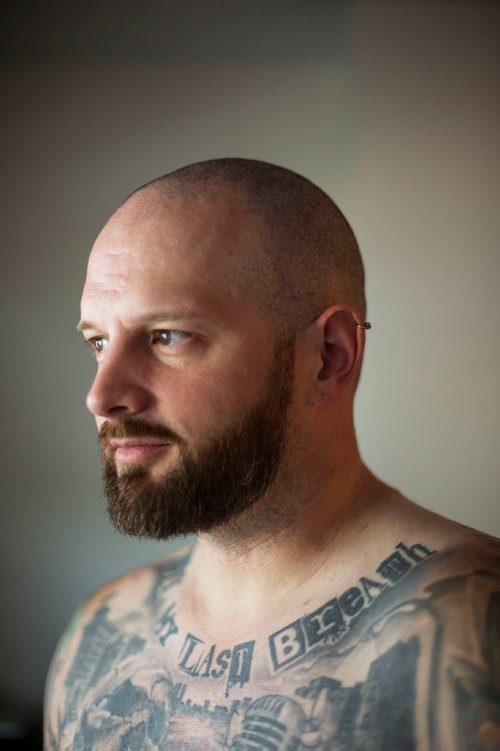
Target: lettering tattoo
{"points": [[330, 622], [197, 661], [408, 658]]}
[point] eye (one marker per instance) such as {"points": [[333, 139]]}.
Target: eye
{"points": [[97, 344], [169, 337]]}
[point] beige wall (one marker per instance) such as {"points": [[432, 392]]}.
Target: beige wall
{"points": [[398, 124]]}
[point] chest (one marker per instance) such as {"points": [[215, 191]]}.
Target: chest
{"points": [[134, 685], [136, 693]]}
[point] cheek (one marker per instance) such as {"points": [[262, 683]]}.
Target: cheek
{"points": [[210, 398]]}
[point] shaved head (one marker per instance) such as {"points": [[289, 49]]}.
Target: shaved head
{"points": [[306, 257]]}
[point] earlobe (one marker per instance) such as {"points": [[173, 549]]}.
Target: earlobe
{"points": [[342, 344]]}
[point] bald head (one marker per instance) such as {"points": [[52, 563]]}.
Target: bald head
{"points": [[304, 257]]}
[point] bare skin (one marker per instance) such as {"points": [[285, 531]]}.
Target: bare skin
{"points": [[335, 613]]}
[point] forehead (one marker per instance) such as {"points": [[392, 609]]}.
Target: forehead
{"points": [[193, 250]]}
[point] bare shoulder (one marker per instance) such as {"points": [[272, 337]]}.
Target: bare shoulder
{"points": [[132, 592], [407, 653], [441, 613], [121, 611], [448, 537], [453, 565]]}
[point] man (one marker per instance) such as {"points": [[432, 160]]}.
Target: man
{"points": [[318, 608]]}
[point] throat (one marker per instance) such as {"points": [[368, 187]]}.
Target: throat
{"points": [[263, 579]]}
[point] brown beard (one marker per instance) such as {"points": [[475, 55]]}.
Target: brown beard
{"points": [[211, 485]]}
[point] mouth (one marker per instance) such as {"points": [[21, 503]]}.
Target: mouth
{"points": [[135, 450]]}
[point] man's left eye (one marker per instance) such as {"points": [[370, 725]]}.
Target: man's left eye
{"points": [[167, 337]]}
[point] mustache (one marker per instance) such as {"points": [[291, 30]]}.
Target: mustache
{"points": [[135, 428]]}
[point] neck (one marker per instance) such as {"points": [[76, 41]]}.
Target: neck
{"points": [[265, 567]]}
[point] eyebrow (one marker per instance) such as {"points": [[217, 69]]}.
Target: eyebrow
{"points": [[84, 325], [168, 315]]}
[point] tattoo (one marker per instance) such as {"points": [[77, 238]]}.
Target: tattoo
{"points": [[234, 663], [166, 625], [167, 575], [354, 717], [103, 644], [405, 659], [329, 623]]}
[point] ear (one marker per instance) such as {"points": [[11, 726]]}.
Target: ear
{"points": [[341, 341]]}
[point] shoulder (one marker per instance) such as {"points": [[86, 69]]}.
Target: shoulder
{"points": [[447, 610], [117, 617], [459, 639], [413, 644], [451, 541], [453, 571], [128, 594], [462, 589], [451, 564]]}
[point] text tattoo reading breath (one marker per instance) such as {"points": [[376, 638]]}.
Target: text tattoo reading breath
{"points": [[329, 622]]}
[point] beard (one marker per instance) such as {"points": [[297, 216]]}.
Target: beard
{"points": [[211, 485]]}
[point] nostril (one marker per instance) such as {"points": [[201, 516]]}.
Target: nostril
{"points": [[117, 409]]}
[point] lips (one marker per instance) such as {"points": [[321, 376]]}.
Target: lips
{"points": [[133, 450]]}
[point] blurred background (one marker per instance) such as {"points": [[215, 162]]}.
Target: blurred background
{"points": [[391, 107]]}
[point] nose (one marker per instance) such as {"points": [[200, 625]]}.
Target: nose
{"points": [[119, 388]]}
